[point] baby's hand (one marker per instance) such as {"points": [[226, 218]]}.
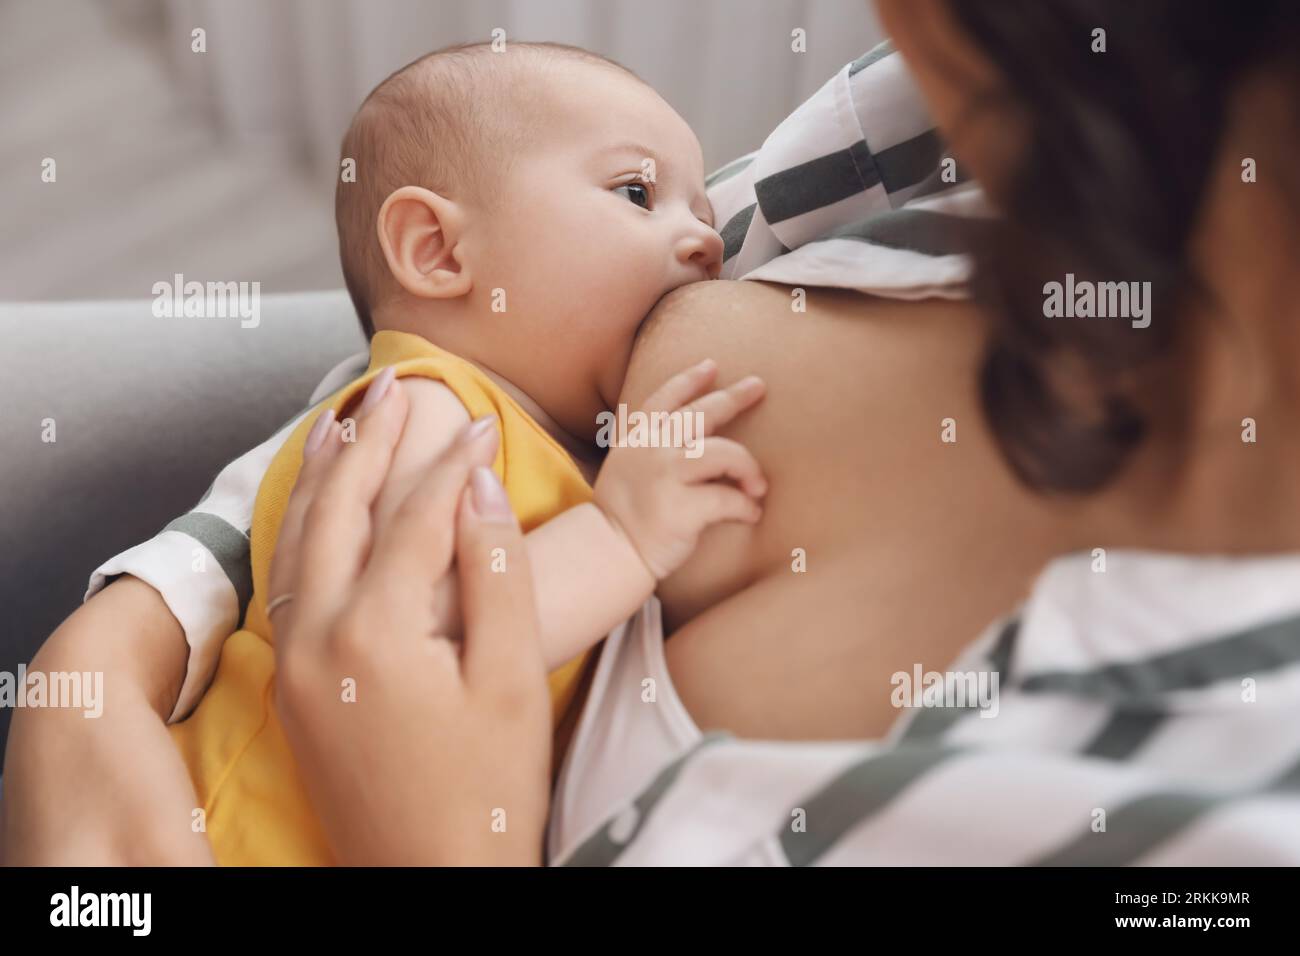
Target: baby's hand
{"points": [[661, 497]]}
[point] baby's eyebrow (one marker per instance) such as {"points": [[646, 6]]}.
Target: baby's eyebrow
{"points": [[643, 152]]}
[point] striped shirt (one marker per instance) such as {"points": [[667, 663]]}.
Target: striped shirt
{"points": [[1146, 711], [852, 190]]}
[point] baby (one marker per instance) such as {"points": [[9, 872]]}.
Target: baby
{"points": [[512, 219]]}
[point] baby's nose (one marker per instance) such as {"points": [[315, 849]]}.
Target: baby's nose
{"points": [[702, 249]]}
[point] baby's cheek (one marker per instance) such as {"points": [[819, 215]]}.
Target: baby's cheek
{"points": [[613, 337], [607, 347], [620, 300]]}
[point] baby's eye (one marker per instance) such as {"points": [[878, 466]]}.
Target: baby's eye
{"points": [[637, 194]]}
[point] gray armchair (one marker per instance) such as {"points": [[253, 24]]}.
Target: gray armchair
{"points": [[145, 411]]}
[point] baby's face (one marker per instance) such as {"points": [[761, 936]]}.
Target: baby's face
{"points": [[600, 217]]}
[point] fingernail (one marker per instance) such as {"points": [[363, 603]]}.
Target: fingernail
{"points": [[378, 389], [489, 497], [316, 437], [477, 429], [706, 364]]}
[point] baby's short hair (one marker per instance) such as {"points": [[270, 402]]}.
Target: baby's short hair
{"points": [[451, 121]]}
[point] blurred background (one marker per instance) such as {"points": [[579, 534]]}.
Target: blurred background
{"points": [[221, 164]]}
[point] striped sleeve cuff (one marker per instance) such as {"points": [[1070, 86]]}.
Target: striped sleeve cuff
{"points": [[204, 601], [200, 562]]}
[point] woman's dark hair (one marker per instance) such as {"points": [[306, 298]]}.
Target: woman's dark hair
{"points": [[1121, 147]]}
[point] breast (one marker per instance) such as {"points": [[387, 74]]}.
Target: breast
{"points": [[873, 528], [812, 433]]}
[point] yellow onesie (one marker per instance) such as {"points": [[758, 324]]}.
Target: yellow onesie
{"points": [[256, 810]]}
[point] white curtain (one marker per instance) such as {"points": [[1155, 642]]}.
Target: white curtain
{"points": [[288, 73]]}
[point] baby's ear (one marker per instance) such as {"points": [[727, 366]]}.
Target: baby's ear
{"points": [[419, 231]]}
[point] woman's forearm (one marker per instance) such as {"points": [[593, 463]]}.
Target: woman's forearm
{"points": [[111, 792], [112, 788]]}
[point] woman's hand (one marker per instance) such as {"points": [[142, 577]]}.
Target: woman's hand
{"points": [[414, 749]]}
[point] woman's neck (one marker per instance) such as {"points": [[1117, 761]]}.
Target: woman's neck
{"points": [[1227, 481]]}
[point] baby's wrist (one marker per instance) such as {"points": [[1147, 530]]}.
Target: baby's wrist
{"points": [[625, 543]]}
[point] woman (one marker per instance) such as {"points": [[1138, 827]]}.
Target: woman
{"points": [[1070, 436]]}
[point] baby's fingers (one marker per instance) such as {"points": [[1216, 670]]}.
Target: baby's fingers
{"points": [[682, 387], [725, 458], [711, 503], [721, 406]]}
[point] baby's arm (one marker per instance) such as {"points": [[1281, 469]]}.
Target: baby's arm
{"points": [[595, 564]]}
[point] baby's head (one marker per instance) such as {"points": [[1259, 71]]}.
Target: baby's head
{"points": [[525, 210]]}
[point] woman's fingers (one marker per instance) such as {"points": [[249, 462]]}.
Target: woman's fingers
{"points": [[336, 527], [502, 637], [323, 443], [321, 446], [682, 387], [415, 549]]}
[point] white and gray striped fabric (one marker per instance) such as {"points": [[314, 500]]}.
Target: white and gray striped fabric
{"points": [[847, 192], [1148, 714], [853, 190]]}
